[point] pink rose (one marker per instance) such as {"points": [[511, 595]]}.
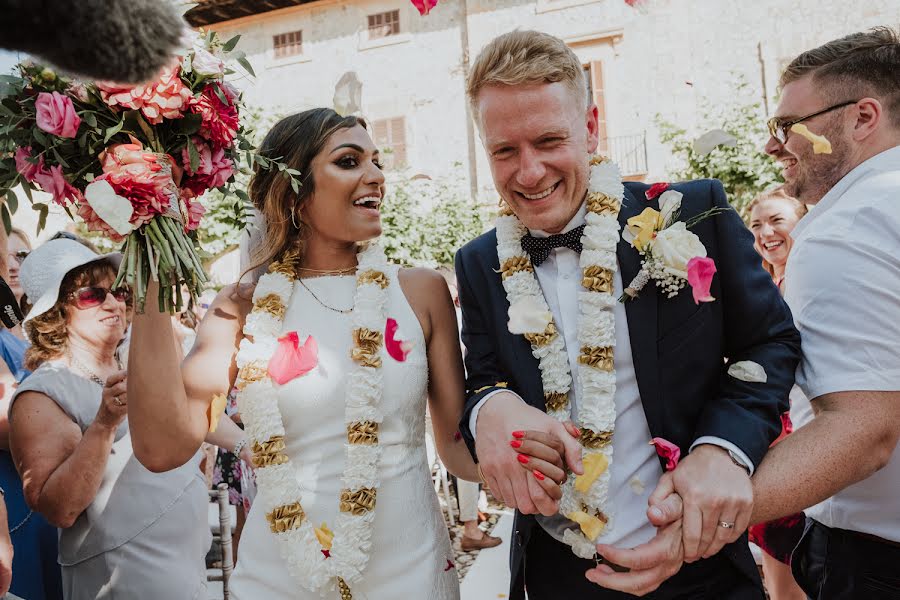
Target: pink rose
{"points": [[195, 210], [213, 168], [132, 159], [54, 182], [56, 114], [700, 271], [26, 169], [220, 120], [206, 64], [667, 450], [656, 189]]}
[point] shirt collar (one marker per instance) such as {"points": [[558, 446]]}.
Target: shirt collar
{"points": [[888, 160], [574, 222]]}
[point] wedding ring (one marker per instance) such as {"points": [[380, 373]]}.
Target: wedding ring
{"points": [[117, 401], [726, 525]]}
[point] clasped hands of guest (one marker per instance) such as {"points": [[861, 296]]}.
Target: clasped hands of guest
{"points": [[697, 508]]}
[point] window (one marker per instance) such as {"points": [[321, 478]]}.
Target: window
{"points": [[593, 75], [288, 44], [390, 137], [382, 25]]}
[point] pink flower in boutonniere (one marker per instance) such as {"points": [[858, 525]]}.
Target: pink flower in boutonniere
{"points": [[700, 271], [290, 360], [397, 348], [668, 451], [656, 189]]}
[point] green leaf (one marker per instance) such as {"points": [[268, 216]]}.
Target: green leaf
{"points": [[230, 44], [27, 188], [113, 130], [246, 64], [7, 218], [193, 154], [221, 95], [89, 118], [189, 124], [42, 218], [12, 201]]}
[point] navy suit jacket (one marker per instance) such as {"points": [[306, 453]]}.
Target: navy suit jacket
{"points": [[681, 350]]}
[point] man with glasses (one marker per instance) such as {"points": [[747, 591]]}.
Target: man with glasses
{"points": [[842, 283]]}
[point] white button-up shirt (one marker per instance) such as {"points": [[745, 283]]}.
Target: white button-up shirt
{"points": [[635, 470], [843, 287]]}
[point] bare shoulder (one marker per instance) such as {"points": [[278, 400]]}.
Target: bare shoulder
{"points": [[427, 294], [422, 279]]}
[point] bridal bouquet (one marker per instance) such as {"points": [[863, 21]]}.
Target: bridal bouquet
{"points": [[132, 161]]}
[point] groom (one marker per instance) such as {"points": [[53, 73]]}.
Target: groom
{"points": [[671, 355]]}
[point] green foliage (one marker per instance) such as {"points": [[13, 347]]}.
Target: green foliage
{"points": [[425, 222], [744, 169]]}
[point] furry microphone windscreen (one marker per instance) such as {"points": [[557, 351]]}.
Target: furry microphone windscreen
{"points": [[126, 41]]}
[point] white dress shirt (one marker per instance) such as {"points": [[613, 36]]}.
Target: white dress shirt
{"points": [[842, 285], [635, 470]]}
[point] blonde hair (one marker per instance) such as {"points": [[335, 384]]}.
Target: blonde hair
{"points": [[522, 58]]}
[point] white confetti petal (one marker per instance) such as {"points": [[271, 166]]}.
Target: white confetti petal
{"points": [[115, 210], [528, 316], [637, 486], [707, 142], [747, 370]]}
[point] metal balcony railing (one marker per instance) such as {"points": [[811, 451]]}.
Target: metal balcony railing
{"points": [[628, 151]]}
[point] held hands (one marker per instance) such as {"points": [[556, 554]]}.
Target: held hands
{"points": [[113, 401], [510, 470]]}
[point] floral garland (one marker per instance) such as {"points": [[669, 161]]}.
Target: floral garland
{"points": [[585, 498], [301, 544]]}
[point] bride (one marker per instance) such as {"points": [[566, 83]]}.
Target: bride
{"points": [[333, 352]]}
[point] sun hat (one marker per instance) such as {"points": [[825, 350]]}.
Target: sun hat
{"points": [[43, 271]]}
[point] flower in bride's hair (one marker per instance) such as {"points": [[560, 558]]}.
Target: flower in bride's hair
{"points": [[668, 451]]}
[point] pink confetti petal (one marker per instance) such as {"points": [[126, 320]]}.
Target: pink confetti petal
{"points": [[290, 361], [396, 349], [449, 565], [424, 6], [700, 271], [668, 451]]}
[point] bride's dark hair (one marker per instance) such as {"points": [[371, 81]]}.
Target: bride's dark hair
{"points": [[295, 141]]}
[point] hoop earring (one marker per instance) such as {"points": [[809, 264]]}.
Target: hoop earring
{"points": [[294, 220]]}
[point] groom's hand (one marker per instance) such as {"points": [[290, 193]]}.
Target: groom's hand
{"points": [[714, 491], [649, 565], [517, 487]]}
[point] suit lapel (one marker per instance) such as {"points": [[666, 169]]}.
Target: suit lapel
{"points": [[642, 317]]}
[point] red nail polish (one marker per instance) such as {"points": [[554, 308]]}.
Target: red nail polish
{"points": [[522, 459], [518, 434], [515, 443], [577, 431], [538, 475]]}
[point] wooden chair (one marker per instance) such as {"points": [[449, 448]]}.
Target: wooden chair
{"points": [[222, 534]]}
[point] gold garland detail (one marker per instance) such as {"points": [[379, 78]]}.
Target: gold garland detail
{"points": [[270, 452], [285, 517], [271, 304], [366, 343], [542, 339], [376, 277], [359, 502], [344, 589], [251, 373], [593, 439], [599, 203], [599, 357], [514, 264], [363, 432], [597, 279], [556, 400], [505, 210], [601, 516], [287, 264]]}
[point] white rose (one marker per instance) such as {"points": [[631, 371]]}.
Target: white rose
{"points": [[206, 64], [675, 246]]}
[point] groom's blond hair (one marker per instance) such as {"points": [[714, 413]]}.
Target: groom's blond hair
{"points": [[523, 58]]}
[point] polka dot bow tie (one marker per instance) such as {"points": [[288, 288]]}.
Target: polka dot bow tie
{"points": [[538, 248]]}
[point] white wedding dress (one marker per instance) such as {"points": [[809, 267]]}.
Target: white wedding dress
{"points": [[411, 556]]}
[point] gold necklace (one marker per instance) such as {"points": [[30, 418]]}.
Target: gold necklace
{"points": [[317, 299], [344, 271]]}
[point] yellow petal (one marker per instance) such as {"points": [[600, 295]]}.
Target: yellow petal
{"points": [[643, 227], [590, 525], [215, 410], [594, 466], [324, 535], [820, 143]]}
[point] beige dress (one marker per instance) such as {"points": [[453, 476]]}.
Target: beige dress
{"points": [[145, 535], [411, 555]]}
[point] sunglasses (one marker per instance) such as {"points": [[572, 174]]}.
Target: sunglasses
{"points": [[779, 129], [91, 296]]}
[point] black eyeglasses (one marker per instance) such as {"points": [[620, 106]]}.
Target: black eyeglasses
{"points": [[779, 129], [95, 295]]}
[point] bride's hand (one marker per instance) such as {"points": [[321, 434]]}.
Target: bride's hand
{"points": [[542, 454]]}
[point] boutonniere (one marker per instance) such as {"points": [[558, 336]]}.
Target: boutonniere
{"points": [[671, 254]]}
